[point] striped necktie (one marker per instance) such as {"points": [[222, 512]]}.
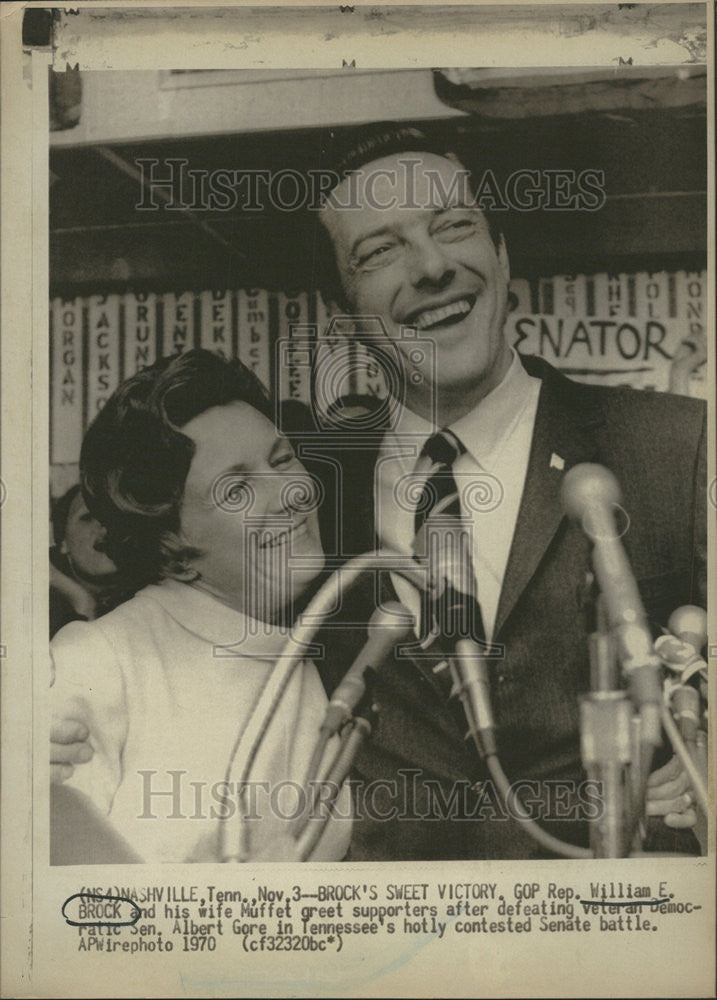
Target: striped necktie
{"points": [[445, 541], [440, 493]]}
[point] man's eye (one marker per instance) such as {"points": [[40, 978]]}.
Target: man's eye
{"points": [[377, 255], [285, 458], [456, 228]]}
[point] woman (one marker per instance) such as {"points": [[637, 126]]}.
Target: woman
{"points": [[84, 583], [210, 514]]}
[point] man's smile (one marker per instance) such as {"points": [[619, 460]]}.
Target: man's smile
{"points": [[442, 313]]}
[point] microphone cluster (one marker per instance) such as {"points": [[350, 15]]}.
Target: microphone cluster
{"points": [[612, 737], [620, 726]]}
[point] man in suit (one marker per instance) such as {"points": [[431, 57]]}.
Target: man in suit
{"points": [[401, 238], [411, 247]]}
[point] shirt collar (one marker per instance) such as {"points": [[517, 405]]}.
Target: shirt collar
{"points": [[217, 623], [488, 424]]}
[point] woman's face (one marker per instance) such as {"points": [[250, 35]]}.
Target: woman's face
{"points": [[83, 544], [249, 507]]}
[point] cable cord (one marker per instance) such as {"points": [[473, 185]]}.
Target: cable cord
{"points": [[546, 840], [251, 737], [699, 787]]}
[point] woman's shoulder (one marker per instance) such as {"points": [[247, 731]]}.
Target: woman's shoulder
{"points": [[126, 619]]}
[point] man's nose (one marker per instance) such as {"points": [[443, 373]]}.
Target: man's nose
{"points": [[428, 265]]}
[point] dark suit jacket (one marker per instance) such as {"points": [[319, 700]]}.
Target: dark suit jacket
{"points": [[417, 770]]}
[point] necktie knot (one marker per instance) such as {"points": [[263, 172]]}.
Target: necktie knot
{"points": [[443, 447]]}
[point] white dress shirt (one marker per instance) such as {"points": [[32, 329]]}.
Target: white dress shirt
{"points": [[490, 477]]}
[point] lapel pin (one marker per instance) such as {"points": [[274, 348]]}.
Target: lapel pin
{"points": [[556, 462]]}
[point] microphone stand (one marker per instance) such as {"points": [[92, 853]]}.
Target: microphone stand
{"points": [[356, 731], [606, 740], [234, 830], [610, 737], [451, 584]]}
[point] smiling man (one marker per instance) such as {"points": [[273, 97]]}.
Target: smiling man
{"points": [[404, 239], [434, 266]]}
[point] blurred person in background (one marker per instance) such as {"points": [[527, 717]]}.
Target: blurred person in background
{"points": [[84, 582]]}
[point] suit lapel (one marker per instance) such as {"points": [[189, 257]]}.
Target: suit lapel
{"points": [[564, 436]]}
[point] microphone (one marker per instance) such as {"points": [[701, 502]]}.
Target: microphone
{"points": [[689, 623], [461, 634], [455, 611], [680, 650], [589, 494], [387, 626]]}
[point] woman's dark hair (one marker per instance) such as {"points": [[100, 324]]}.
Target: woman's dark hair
{"points": [[134, 459], [364, 145]]}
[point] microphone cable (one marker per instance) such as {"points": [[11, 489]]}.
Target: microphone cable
{"points": [[252, 734], [472, 685]]}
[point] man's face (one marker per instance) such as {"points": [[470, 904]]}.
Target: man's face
{"points": [[83, 544], [426, 261], [244, 508]]}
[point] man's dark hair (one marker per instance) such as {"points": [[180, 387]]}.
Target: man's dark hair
{"points": [[364, 145], [134, 459], [61, 512]]}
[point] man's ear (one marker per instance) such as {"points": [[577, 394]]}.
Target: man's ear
{"points": [[63, 547], [333, 308]]}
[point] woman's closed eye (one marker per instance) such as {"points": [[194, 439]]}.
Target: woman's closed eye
{"points": [[284, 459]]}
